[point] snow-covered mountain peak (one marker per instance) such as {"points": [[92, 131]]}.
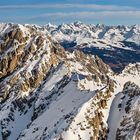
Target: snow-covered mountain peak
{"points": [[54, 84]]}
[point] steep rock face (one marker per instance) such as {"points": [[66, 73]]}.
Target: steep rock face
{"points": [[24, 65], [26, 61], [129, 124], [10, 46]]}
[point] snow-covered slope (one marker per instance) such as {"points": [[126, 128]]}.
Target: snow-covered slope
{"points": [[52, 92]]}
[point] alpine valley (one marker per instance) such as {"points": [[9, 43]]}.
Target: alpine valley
{"points": [[69, 82]]}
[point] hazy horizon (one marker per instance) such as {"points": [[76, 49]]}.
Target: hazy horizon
{"points": [[41, 12]]}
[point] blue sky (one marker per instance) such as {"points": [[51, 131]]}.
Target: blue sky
{"points": [[110, 12]]}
